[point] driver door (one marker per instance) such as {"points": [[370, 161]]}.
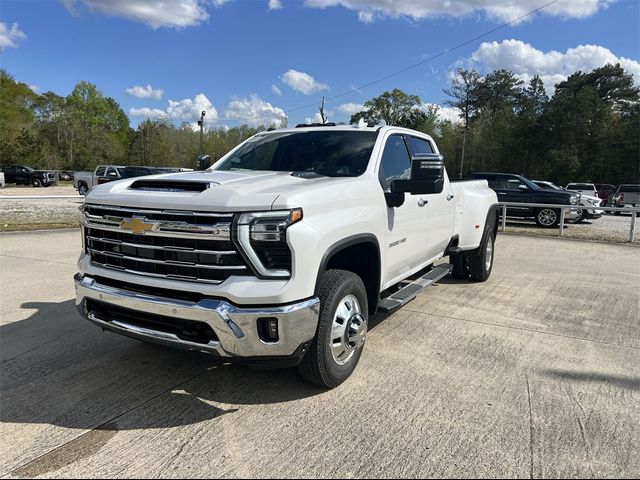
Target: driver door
{"points": [[406, 229]]}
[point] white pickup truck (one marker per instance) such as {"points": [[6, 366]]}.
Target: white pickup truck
{"points": [[279, 253], [85, 181]]}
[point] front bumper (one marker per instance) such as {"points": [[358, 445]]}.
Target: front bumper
{"points": [[235, 328], [572, 214]]}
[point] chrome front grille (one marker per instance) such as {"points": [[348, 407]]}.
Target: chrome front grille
{"points": [[190, 246]]}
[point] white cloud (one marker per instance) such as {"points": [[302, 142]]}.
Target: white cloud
{"points": [[190, 109], [183, 111], [34, 88], [526, 61], [303, 82], [444, 113], [145, 92], [499, 10], [154, 13], [350, 108], [254, 111], [10, 37], [275, 4], [315, 119], [147, 113], [275, 89]]}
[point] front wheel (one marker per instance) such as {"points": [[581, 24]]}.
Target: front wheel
{"points": [[547, 217], [342, 330], [82, 189], [36, 182]]}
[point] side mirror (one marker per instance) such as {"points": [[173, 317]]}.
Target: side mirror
{"points": [[523, 188], [427, 175]]}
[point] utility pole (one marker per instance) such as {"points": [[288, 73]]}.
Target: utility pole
{"points": [[201, 124]]}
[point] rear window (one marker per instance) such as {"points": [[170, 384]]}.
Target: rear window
{"points": [[630, 188]]}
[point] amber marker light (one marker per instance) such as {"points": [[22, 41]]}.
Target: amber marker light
{"points": [[296, 215]]}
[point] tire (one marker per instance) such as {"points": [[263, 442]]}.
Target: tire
{"points": [[481, 265], [581, 218], [460, 262], [617, 212], [341, 293], [36, 182], [547, 217], [82, 189]]}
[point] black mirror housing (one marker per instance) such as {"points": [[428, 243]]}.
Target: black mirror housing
{"points": [[427, 175]]}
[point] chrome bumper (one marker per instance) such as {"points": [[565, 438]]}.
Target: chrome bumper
{"points": [[572, 214], [235, 327]]}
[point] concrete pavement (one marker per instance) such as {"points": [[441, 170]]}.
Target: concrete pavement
{"points": [[535, 373]]}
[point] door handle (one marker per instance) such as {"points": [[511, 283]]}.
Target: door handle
{"points": [[422, 202], [450, 196]]}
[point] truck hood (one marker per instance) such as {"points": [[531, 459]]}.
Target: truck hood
{"points": [[223, 190]]}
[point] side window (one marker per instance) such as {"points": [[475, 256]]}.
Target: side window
{"points": [[494, 182], [513, 184], [395, 161], [418, 145], [111, 172], [100, 171]]}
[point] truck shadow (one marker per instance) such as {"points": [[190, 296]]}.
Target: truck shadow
{"points": [[56, 368], [621, 381]]}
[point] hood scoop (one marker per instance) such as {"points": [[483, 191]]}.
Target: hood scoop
{"points": [[169, 185]]}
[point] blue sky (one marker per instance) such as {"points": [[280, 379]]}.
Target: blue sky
{"points": [[246, 61]]}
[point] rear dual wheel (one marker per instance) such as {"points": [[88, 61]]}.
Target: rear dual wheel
{"points": [[478, 265]]}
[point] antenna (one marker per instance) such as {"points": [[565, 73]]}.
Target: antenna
{"points": [[322, 115]]}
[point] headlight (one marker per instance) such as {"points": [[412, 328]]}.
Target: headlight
{"points": [[262, 237], [574, 200]]}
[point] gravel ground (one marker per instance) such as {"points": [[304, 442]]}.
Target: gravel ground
{"points": [[608, 228], [35, 214], [65, 189], [30, 214]]}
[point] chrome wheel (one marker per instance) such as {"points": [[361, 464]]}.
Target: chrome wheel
{"points": [[489, 253], [547, 217], [348, 331]]}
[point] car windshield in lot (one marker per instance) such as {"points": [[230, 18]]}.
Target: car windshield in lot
{"points": [[630, 188], [546, 185], [581, 186], [340, 153]]}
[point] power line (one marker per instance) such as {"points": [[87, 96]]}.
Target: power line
{"points": [[427, 60]]}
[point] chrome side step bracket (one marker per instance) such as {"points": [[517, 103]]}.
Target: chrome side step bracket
{"points": [[411, 290]]}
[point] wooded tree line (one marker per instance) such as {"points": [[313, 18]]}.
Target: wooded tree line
{"points": [[588, 130], [85, 129]]}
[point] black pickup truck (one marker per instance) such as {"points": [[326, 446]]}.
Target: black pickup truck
{"points": [[518, 189], [22, 175]]}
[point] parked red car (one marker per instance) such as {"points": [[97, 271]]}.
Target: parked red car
{"points": [[604, 190]]}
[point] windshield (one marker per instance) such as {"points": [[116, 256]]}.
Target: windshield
{"points": [[328, 153], [630, 188], [547, 185], [581, 186]]}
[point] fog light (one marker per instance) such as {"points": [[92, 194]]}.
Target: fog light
{"points": [[268, 330]]}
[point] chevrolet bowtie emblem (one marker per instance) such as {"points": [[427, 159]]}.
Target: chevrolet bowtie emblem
{"points": [[137, 225]]}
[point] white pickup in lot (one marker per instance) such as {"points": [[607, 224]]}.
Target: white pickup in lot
{"points": [[279, 253]]}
